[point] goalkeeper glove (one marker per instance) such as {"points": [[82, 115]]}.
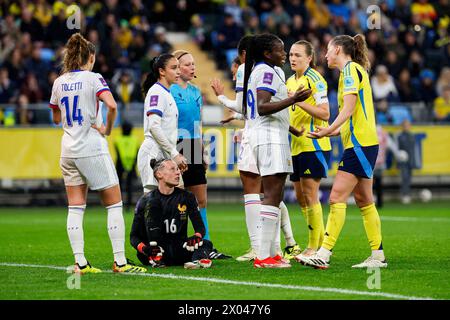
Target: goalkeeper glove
{"points": [[152, 250], [194, 242]]}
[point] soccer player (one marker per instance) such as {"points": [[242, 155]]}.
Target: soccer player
{"points": [[248, 171], [159, 231], [160, 119], [356, 125], [85, 159], [265, 103], [309, 157], [189, 102]]}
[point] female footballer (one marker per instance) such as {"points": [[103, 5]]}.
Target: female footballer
{"points": [[85, 159], [160, 119], [309, 157], [356, 125]]}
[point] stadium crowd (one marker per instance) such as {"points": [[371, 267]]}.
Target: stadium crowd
{"points": [[409, 48]]}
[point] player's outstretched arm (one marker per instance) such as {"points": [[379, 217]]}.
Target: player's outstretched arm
{"points": [[265, 107]]}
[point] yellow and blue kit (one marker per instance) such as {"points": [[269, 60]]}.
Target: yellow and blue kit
{"points": [[310, 157]]}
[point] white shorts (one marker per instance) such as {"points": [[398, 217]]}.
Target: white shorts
{"points": [[273, 158], [98, 172], [246, 160], [145, 170]]}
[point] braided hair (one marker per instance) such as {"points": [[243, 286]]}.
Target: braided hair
{"points": [[256, 50]]}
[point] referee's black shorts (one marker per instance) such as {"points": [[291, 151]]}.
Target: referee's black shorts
{"points": [[192, 150]]}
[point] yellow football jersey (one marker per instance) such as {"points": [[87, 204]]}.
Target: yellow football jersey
{"points": [[360, 128], [298, 117]]}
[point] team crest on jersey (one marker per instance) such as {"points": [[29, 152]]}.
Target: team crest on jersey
{"points": [[348, 81], [154, 101], [268, 78], [182, 211], [103, 81], [320, 86]]}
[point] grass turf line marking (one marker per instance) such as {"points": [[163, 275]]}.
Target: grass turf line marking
{"points": [[235, 282], [383, 218]]}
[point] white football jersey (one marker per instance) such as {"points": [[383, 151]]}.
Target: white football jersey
{"points": [[159, 101], [272, 128], [76, 94]]}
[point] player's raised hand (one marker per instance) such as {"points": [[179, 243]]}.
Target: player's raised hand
{"points": [[217, 87], [194, 242], [181, 162], [301, 94]]}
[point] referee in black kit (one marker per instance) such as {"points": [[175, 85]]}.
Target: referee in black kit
{"points": [[159, 230]]}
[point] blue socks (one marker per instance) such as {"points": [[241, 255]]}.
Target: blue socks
{"points": [[205, 222]]}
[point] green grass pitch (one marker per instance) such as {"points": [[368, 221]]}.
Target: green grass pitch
{"points": [[415, 238]]}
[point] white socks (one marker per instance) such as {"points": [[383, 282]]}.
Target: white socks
{"points": [[253, 218], [116, 231], [275, 248], [75, 233], [269, 220], [378, 255], [286, 225]]}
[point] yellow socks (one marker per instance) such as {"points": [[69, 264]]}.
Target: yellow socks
{"points": [[335, 222], [315, 226], [372, 225]]}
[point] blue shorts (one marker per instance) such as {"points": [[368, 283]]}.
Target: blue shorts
{"points": [[312, 164], [359, 161]]}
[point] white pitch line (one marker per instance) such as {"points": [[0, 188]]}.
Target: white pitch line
{"points": [[383, 218], [241, 283]]}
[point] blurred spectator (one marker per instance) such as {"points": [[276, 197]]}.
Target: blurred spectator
{"points": [[24, 116], [197, 31], [296, 8], [386, 144], [7, 87], [6, 47], [124, 88], [252, 26], [31, 25], [442, 105], [383, 86], [319, 13], [161, 39], [127, 147], [338, 9], [9, 27], [137, 49], [279, 15], [443, 81], [406, 91], [124, 35], [232, 8], [406, 142], [228, 37], [401, 14], [30, 89], [15, 66], [393, 64], [425, 11], [284, 32], [427, 89]]}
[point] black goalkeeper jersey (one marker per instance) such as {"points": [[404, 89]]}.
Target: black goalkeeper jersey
{"points": [[164, 218]]}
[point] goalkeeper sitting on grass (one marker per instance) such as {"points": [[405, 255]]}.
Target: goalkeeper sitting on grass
{"points": [[159, 231]]}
